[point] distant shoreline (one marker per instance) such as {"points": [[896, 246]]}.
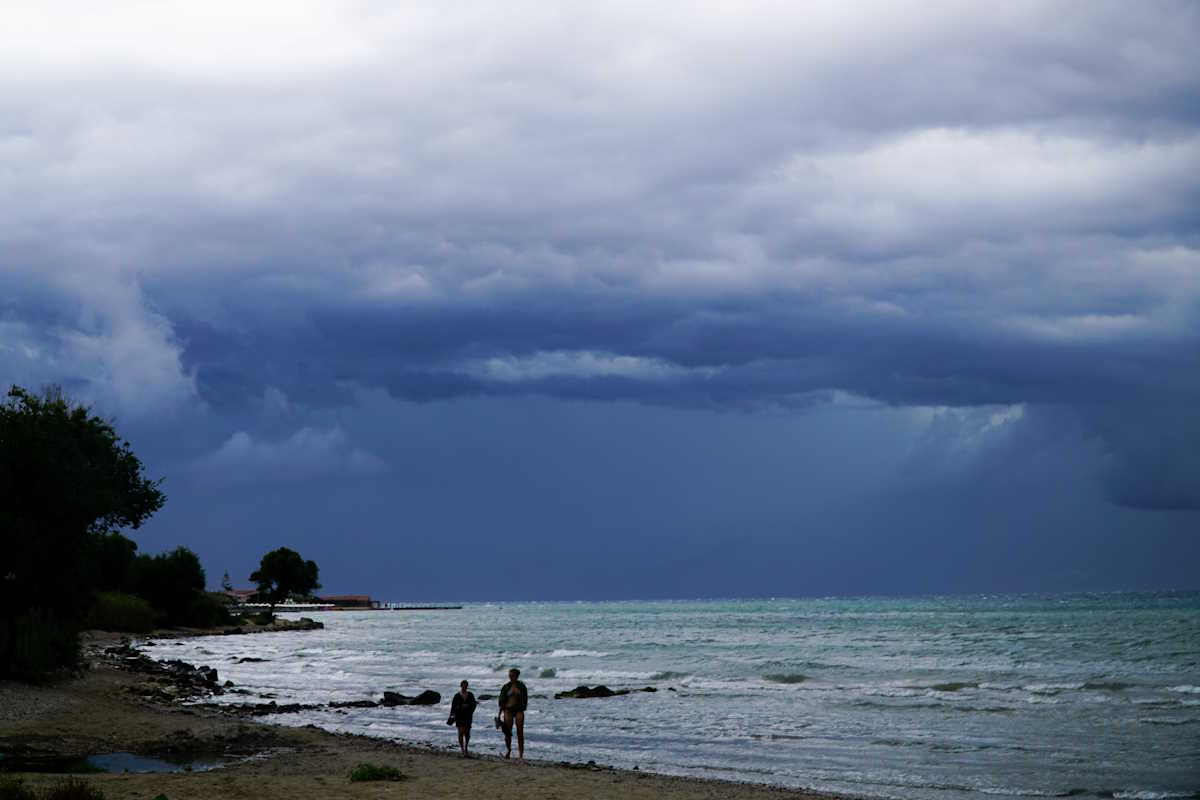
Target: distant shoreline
{"points": [[299, 608]]}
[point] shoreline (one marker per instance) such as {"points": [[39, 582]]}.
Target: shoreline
{"points": [[110, 709]]}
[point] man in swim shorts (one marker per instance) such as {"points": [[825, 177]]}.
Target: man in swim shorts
{"points": [[513, 699]]}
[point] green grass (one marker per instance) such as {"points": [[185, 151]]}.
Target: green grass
{"points": [[375, 772]]}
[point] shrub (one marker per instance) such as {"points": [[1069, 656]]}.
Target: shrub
{"points": [[72, 789], [208, 610], [15, 789], [124, 613], [375, 772], [35, 643]]}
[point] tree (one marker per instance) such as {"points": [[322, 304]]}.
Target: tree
{"points": [[171, 583], [66, 479], [112, 562], [283, 573]]}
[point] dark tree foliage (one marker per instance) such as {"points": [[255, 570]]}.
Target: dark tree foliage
{"points": [[283, 573], [66, 478], [171, 583], [112, 561]]}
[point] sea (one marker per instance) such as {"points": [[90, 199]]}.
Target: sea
{"points": [[937, 698]]}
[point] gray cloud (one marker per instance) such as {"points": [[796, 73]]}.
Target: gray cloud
{"points": [[305, 455], [947, 206]]}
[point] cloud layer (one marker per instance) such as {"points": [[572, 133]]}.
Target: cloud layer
{"points": [[933, 206]]}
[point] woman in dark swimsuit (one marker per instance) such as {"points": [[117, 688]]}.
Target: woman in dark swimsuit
{"points": [[462, 709], [513, 699]]}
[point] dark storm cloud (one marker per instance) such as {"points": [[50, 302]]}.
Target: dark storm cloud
{"points": [[943, 205]]}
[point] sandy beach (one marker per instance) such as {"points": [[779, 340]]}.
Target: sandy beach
{"points": [[106, 710]]}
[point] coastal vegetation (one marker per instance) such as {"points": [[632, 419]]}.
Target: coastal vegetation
{"points": [[67, 480], [283, 573], [69, 484], [65, 789], [117, 611]]}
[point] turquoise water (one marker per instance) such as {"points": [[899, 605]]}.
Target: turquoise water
{"points": [[958, 697]]}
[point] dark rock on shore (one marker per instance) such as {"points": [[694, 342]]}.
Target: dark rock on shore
{"points": [[584, 692], [272, 707], [169, 680], [425, 698], [302, 624], [353, 704], [263, 709]]}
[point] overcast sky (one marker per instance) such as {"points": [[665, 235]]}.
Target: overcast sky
{"points": [[503, 301]]}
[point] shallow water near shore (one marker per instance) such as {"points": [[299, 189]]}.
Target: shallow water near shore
{"points": [[960, 697], [103, 762], [132, 762]]}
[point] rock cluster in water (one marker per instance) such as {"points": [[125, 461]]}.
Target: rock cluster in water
{"points": [[302, 624], [600, 690], [425, 698]]}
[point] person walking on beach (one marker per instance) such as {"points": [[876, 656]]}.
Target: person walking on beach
{"points": [[513, 699], [462, 709]]}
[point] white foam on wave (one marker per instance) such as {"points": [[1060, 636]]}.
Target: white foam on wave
{"points": [[891, 691], [1184, 689], [1146, 794], [1052, 688], [1167, 721], [602, 675], [576, 654], [1006, 791]]}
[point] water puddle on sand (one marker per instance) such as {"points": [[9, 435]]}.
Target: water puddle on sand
{"points": [[131, 762], [102, 762]]}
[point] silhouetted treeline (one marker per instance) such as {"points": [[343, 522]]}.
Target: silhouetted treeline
{"points": [[68, 485]]}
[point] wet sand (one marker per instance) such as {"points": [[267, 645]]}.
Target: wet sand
{"points": [[106, 710]]}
